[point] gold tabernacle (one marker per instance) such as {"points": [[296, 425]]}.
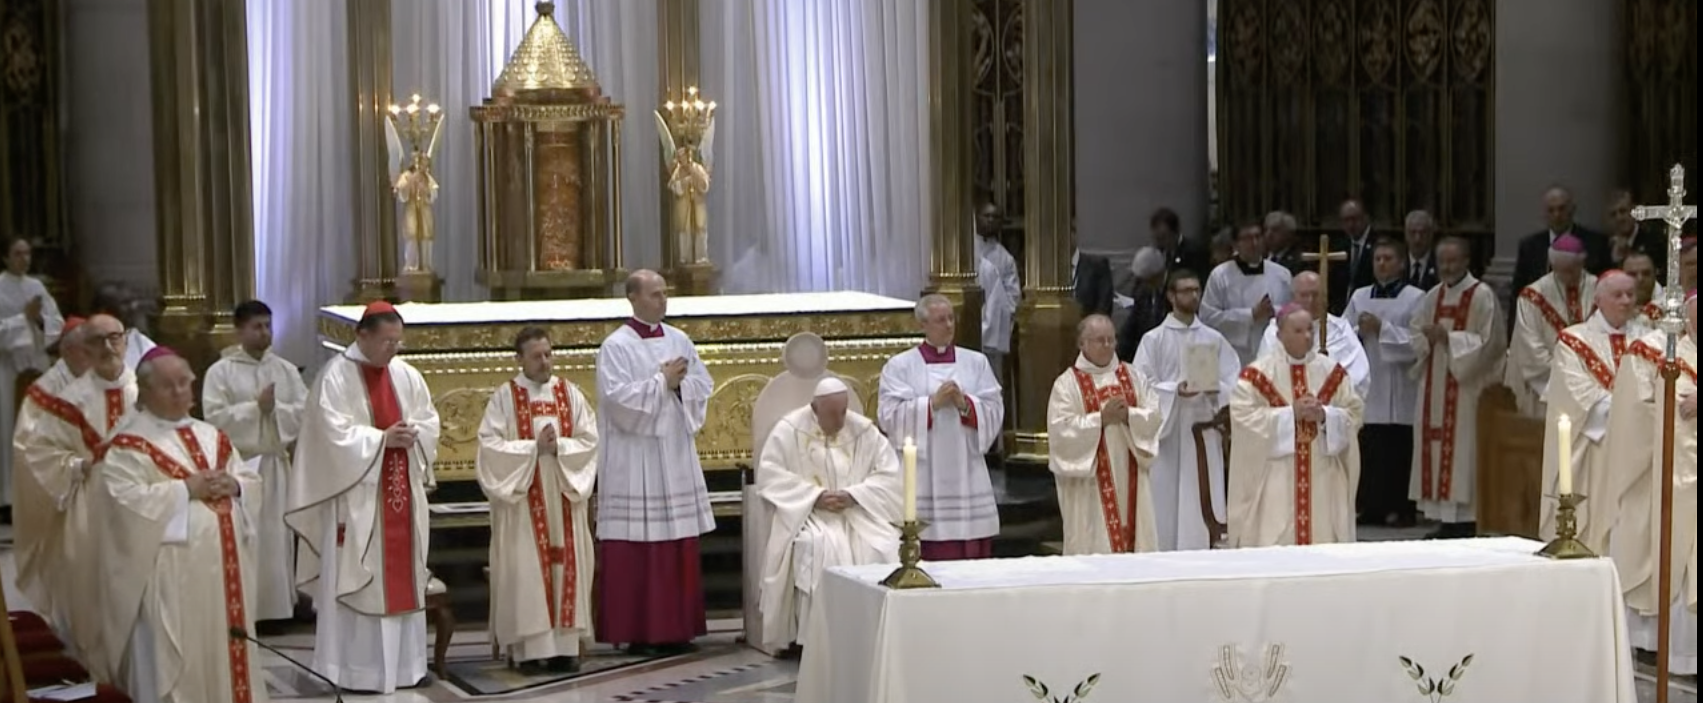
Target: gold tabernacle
{"points": [[548, 145]]}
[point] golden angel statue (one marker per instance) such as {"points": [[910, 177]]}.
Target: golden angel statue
{"points": [[411, 177], [690, 162]]}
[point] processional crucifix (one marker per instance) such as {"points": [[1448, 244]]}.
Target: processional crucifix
{"points": [[1324, 257], [1675, 214]]}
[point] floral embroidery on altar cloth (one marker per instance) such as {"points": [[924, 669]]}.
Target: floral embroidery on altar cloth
{"points": [[1436, 688], [1077, 695], [1240, 681]]}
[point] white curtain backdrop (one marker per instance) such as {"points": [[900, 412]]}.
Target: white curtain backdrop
{"points": [[821, 160]]}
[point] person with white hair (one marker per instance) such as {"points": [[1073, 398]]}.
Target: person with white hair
{"points": [[836, 487], [1342, 343], [1419, 231], [1560, 299], [1147, 301], [1279, 228]]}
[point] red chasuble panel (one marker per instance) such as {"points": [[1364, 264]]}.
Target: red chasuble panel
{"points": [[396, 499], [549, 556]]}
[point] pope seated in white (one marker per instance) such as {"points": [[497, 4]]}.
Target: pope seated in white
{"points": [[538, 466], [1561, 299], [1295, 458], [834, 482], [1103, 428], [175, 513], [1342, 340]]}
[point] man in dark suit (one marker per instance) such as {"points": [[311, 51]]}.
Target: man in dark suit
{"points": [[1533, 259], [1148, 305], [1627, 235], [1420, 231], [1280, 245], [1180, 252], [1356, 239], [1091, 279]]}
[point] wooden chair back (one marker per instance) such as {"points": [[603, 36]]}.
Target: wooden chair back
{"points": [[1217, 531], [1510, 466], [12, 673]]}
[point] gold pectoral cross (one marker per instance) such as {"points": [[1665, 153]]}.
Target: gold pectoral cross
{"points": [[1324, 257]]}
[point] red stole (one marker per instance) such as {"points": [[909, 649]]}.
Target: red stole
{"points": [[1305, 433], [1120, 533], [396, 499], [561, 615]]}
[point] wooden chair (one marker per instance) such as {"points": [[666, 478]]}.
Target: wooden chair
{"points": [[1217, 531], [1509, 483], [19, 670], [443, 621]]}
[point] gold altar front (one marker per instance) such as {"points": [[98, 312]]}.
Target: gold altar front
{"points": [[465, 351]]}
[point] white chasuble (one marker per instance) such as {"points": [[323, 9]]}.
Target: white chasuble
{"points": [[650, 484], [1162, 359], [179, 573], [798, 464], [1232, 291], [954, 491], [230, 400], [541, 543], [1585, 361], [1452, 375], [1344, 348], [1104, 493], [23, 347], [1541, 311], [1293, 481]]}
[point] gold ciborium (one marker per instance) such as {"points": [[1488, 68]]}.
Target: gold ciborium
{"points": [[1566, 544], [909, 575]]}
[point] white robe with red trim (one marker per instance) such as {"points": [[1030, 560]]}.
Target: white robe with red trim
{"points": [[1451, 377], [1293, 482], [541, 535], [1586, 359], [954, 490], [1541, 311], [1105, 493]]}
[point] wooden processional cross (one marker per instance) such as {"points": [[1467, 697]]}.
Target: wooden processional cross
{"points": [[1324, 257]]}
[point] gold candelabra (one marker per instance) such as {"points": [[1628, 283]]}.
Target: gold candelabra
{"points": [[909, 575], [412, 136], [1566, 544], [689, 120], [687, 132]]}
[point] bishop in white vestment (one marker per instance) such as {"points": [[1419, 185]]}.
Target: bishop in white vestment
{"points": [[1243, 294], [29, 324], [947, 399], [1342, 342], [538, 466], [1191, 370], [358, 502], [73, 362], [176, 508], [1295, 461], [1103, 428], [1582, 384], [652, 395], [1561, 299], [1381, 313], [834, 482], [256, 398]]}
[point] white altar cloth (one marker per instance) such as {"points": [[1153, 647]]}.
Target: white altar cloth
{"points": [[613, 309], [1348, 623]]}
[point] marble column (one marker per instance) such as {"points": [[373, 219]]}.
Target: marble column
{"points": [[1141, 121], [952, 267], [198, 61], [1559, 83], [370, 71]]}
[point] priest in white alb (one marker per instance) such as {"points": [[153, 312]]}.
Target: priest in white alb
{"points": [[1103, 429], [1458, 339], [1191, 370], [1342, 342], [538, 466], [29, 324], [834, 482], [946, 399], [256, 398], [1295, 461], [1242, 294], [1561, 299], [1380, 314], [358, 501], [1634, 440], [176, 511], [652, 395], [1581, 386]]}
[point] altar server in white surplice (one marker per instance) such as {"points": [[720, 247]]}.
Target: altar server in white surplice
{"points": [[1581, 385], [1180, 349], [538, 466], [1634, 440], [652, 395], [1295, 461], [1561, 299], [1103, 429], [1344, 345], [835, 483], [256, 397], [1380, 314], [358, 502], [29, 324], [1243, 293], [176, 508], [1458, 339], [947, 399]]}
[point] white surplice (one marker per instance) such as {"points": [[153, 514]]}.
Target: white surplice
{"points": [[954, 491], [345, 489], [1345, 348], [798, 464], [650, 485], [1003, 291], [1451, 377], [179, 574], [230, 399], [1162, 360], [1102, 472], [1634, 440], [1227, 304], [1293, 482], [1541, 312], [1583, 365], [1392, 391], [23, 347], [542, 553]]}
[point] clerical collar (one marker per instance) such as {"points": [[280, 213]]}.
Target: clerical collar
{"points": [[1303, 361], [645, 330], [938, 355], [1464, 282], [1173, 322], [1250, 270], [1083, 363], [1388, 290]]}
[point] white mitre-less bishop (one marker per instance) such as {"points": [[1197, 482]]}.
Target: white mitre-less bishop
{"points": [[1344, 347], [1232, 291], [1162, 359], [1293, 482], [541, 534], [1541, 312], [1586, 358], [1102, 468], [800, 464], [1451, 377]]}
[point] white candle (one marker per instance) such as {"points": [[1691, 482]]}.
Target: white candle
{"points": [[910, 480], [1564, 432]]}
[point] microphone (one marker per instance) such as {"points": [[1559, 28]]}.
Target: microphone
{"points": [[238, 633]]}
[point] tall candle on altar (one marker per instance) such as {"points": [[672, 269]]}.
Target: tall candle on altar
{"points": [[910, 452], [1564, 453]]}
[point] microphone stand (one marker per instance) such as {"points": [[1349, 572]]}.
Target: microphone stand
{"points": [[337, 691]]}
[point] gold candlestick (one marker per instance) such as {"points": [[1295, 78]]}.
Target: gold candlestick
{"points": [[909, 575], [1566, 544]]}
